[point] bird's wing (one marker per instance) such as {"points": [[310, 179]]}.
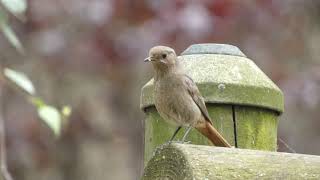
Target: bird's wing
{"points": [[196, 96]]}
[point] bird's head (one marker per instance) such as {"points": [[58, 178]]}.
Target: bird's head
{"points": [[162, 57]]}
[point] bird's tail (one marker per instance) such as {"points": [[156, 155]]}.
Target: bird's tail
{"points": [[213, 135]]}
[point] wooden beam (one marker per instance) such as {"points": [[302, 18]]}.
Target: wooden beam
{"points": [[197, 162]]}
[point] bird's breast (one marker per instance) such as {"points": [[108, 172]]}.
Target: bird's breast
{"points": [[174, 103]]}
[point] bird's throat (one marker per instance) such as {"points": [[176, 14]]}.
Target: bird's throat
{"points": [[163, 70]]}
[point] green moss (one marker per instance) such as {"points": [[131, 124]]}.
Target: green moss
{"points": [[256, 128], [158, 131], [164, 164], [221, 116]]}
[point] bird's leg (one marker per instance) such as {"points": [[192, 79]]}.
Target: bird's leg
{"points": [[175, 133], [186, 133]]}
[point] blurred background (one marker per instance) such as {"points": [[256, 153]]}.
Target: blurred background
{"points": [[89, 54]]}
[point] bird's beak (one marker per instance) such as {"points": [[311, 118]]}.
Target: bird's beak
{"points": [[148, 59]]}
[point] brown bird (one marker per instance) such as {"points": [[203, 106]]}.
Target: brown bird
{"points": [[177, 98]]}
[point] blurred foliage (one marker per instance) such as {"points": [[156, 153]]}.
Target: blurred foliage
{"points": [[52, 117], [7, 31], [16, 7], [20, 80], [49, 114]]}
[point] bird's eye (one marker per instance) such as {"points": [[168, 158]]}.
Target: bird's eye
{"points": [[164, 56]]}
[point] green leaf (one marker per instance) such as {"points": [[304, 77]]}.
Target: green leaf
{"points": [[20, 80], [36, 101], [12, 37], [66, 111], [8, 32], [15, 6], [51, 116]]}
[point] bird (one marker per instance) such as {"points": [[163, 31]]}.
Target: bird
{"points": [[177, 97]]}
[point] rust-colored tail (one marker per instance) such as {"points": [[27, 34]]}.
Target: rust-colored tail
{"points": [[213, 135]]}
